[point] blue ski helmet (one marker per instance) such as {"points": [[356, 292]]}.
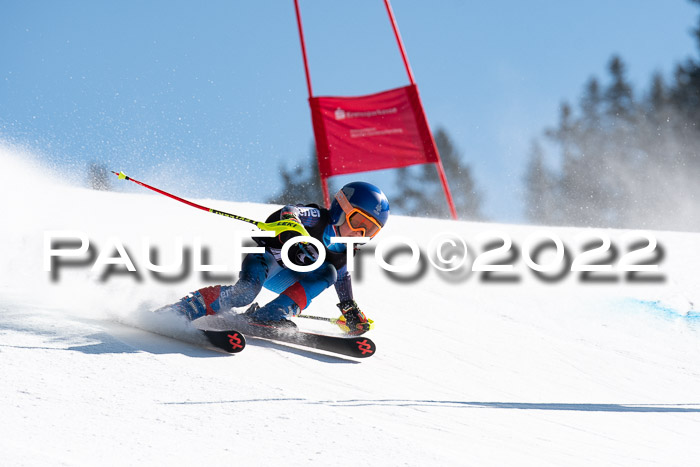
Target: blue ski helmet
{"points": [[365, 197]]}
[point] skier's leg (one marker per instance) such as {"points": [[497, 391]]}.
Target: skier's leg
{"points": [[298, 296], [216, 298], [254, 271]]}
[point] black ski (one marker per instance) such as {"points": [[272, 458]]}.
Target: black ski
{"points": [[358, 347], [286, 331], [231, 341]]}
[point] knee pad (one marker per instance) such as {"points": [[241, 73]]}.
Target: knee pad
{"points": [[327, 273], [311, 285], [256, 266]]}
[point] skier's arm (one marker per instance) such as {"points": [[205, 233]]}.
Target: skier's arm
{"points": [[301, 254], [343, 286], [356, 322]]}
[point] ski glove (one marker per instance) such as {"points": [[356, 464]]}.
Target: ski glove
{"points": [[303, 254], [356, 321]]}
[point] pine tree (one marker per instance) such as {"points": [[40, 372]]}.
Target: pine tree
{"points": [[422, 194], [467, 198], [301, 183], [539, 185], [618, 95], [624, 162]]}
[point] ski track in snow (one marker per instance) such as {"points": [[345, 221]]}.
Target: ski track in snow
{"points": [[466, 372]]}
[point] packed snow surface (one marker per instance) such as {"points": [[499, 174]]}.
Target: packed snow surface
{"points": [[468, 371]]}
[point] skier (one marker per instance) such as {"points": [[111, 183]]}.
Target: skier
{"points": [[358, 209]]}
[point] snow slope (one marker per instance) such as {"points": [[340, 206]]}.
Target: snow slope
{"points": [[467, 371]]}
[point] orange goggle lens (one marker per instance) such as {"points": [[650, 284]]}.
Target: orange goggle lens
{"points": [[358, 220]]}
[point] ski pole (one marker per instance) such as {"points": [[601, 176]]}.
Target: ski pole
{"points": [[276, 227], [332, 320], [319, 318]]}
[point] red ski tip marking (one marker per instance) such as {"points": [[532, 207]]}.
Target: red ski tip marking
{"points": [[235, 341], [364, 347]]}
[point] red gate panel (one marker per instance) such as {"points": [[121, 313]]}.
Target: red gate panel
{"points": [[372, 132]]}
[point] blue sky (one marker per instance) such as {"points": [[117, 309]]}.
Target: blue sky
{"points": [[208, 99]]}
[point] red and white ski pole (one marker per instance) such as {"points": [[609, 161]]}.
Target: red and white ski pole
{"points": [[277, 227]]}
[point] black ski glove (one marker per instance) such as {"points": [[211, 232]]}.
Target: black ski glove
{"points": [[355, 320], [303, 254]]}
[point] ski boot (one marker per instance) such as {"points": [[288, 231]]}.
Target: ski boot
{"points": [[200, 303], [274, 314]]}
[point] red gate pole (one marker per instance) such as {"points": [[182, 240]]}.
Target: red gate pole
{"points": [[303, 49], [438, 164], [324, 180], [399, 41]]}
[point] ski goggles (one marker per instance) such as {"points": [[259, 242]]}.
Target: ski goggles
{"points": [[357, 220]]}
